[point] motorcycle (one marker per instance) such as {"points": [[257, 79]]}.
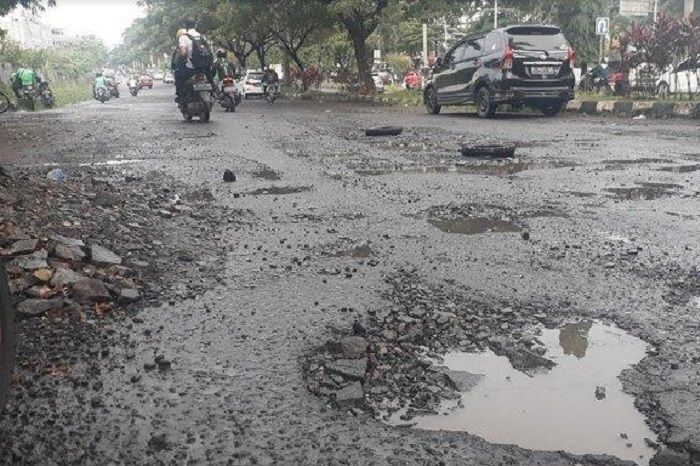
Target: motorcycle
{"points": [[198, 100], [230, 94], [114, 89], [28, 97], [596, 80], [271, 94], [133, 87], [46, 94], [102, 95]]}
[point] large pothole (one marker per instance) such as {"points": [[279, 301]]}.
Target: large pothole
{"points": [[438, 357]]}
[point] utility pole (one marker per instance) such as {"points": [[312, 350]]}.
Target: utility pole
{"points": [[495, 14], [425, 45], [656, 10], [688, 7]]}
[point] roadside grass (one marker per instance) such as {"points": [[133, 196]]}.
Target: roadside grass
{"points": [[65, 93]]}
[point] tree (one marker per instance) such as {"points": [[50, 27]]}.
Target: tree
{"points": [[360, 19], [7, 6]]}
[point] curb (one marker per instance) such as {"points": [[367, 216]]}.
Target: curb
{"points": [[624, 108], [635, 109]]}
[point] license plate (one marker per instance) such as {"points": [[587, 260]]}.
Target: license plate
{"points": [[229, 90], [544, 70], [202, 87]]}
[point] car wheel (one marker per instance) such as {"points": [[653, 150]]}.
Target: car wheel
{"points": [[484, 107], [431, 101], [552, 110], [663, 90]]}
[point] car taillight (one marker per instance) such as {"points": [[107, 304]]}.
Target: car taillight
{"points": [[571, 56], [228, 81], [507, 63]]}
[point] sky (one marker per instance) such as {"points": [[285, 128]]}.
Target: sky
{"points": [[105, 19]]}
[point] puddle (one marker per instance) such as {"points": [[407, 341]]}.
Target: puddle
{"points": [[636, 161], [579, 194], [267, 174], [475, 225], [681, 169], [360, 252], [275, 190], [561, 409], [503, 169], [645, 191]]}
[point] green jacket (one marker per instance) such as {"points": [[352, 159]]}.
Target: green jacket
{"points": [[101, 82], [26, 77]]}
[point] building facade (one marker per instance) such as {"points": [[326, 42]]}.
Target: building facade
{"points": [[26, 28]]}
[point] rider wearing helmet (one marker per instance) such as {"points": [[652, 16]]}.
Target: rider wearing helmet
{"points": [[222, 68], [270, 78], [100, 83]]}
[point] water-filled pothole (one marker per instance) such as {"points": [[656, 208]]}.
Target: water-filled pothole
{"points": [[486, 169], [279, 190], [645, 191], [680, 168], [577, 406], [476, 225]]}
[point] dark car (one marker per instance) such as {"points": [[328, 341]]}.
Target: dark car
{"points": [[518, 65]]}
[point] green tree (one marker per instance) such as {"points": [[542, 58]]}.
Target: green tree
{"points": [[7, 6]]}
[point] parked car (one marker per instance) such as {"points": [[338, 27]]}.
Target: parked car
{"points": [[253, 83], [684, 79], [518, 65], [158, 76], [169, 78], [378, 83], [412, 80], [145, 81]]}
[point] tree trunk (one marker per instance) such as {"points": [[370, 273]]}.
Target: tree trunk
{"points": [[688, 7], [364, 71], [262, 56]]}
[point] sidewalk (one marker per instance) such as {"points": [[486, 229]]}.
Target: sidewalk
{"points": [[648, 109]]}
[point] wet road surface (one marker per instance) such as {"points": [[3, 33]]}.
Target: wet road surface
{"points": [[611, 211]]}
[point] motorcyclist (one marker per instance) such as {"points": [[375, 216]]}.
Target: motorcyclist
{"points": [[270, 78], [100, 83], [185, 44], [222, 68], [24, 77]]}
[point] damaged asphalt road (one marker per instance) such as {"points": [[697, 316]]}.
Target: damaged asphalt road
{"points": [[328, 234]]}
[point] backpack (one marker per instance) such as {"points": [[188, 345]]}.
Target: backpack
{"points": [[201, 53]]}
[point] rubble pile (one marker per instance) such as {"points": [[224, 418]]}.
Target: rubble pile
{"points": [[392, 361]]}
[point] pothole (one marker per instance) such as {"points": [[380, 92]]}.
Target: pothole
{"points": [[363, 251], [680, 169], [475, 225], [577, 406], [279, 190], [644, 160], [645, 191], [266, 173], [486, 169], [440, 357]]}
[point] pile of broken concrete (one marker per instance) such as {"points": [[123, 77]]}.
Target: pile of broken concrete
{"points": [[392, 362], [55, 273]]}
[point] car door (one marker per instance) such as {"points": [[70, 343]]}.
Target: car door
{"points": [[447, 82], [471, 62]]}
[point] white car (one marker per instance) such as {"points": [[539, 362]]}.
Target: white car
{"points": [[169, 78], [253, 83], [684, 79], [378, 82], [158, 75]]}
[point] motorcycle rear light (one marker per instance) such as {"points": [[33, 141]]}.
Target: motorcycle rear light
{"points": [[507, 63], [571, 56]]}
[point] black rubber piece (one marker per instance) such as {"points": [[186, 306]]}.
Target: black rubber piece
{"points": [[488, 150], [384, 131]]}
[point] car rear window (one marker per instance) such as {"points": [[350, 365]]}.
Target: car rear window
{"points": [[547, 39]]}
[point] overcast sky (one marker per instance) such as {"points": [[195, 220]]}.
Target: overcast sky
{"points": [[105, 19]]}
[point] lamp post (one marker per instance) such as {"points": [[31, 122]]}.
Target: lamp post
{"points": [[495, 14]]}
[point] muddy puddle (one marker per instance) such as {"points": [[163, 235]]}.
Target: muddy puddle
{"points": [[645, 191], [577, 406], [680, 169], [476, 225], [363, 251], [279, 190], [643, 160], [488, 169]]}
